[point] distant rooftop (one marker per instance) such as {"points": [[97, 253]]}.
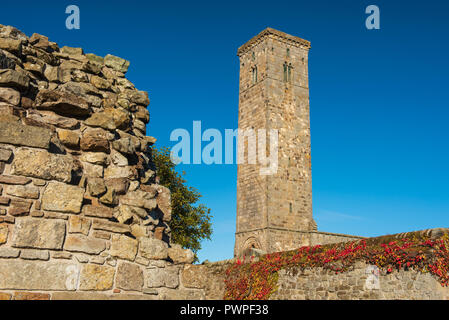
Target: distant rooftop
{"points": [[270, 31]]}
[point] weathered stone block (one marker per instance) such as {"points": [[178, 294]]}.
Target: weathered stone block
{"points": [[29, 192], [43, 165], [18, 134], [153, 249], [79, 224], [83, 244], [95, 157], [96, 278], [116, 63], [14, 180], [137, 97], [69, 138], [126, 212], [9, 253], [140, 199], [61, 102], [92, 170], [139, 231], [113, 172], [124, 145], [32, 254], [72, 51], [109, 198], [5, 296], [179, 255], [96, 187], [162, 277], [111, 226], [13, 78], [94, 58], [7, 60], [101, 83], [194, 276], [164, 202], [38, 275], [119, 185], [118, 159], [49, 117], [95, 140], [98, 212], [129, 277], [181, 294], [109, 119], [123, 247], [12, 45], [19, 207], [38, 233], [62, 197], [10, 96], [31, 296], [53, 74], [61, 255], [4, 231]]}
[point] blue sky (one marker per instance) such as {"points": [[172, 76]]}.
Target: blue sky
{"points": [[379, 98]]}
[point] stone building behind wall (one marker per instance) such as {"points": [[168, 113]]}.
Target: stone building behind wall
{"points": [[274, 212]]}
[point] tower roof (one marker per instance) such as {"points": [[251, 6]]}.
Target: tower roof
{"points": [[276, 33]]}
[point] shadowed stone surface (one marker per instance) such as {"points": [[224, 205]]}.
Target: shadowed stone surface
{"points": [[96, 278], [21, 135]]}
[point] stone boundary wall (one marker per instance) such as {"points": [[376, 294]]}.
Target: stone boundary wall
{"points": [[361, 282], [82, 215], [322, 238], [364, 282]]}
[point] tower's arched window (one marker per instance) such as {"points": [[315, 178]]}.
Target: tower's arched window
{"points": [[288, 52], [288, 72], [254, 74]]}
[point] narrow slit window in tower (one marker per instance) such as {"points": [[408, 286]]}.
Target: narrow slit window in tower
{"points": [[254, 75], [289, 75], [285, 72]]}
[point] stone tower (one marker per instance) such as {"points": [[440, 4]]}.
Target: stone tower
{"points": [[274, 212]]}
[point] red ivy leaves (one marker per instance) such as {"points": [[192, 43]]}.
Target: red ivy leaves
{"points": [[258, 280]]}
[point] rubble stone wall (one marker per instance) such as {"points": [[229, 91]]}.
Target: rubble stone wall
{"points": [[362, 283], [82, 215]]}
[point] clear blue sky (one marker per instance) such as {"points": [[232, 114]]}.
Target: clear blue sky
{"points": [[379, 99]]}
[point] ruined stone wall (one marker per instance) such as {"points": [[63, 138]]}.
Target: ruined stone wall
{"points": [[82, 215]]}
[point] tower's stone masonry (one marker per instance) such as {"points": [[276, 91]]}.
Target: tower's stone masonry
{"points": [[274, 212]]}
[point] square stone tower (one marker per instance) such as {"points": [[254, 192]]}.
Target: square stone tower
{"points": [[274, 212]]}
